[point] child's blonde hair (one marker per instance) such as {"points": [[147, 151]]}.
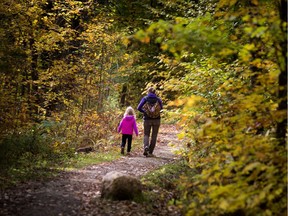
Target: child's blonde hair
{"points": [[129, 111]]}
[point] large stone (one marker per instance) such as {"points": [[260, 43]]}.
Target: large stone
{"points": [[120, 186]]}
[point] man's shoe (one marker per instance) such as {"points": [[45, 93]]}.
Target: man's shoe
{"points": [[151, 155], [145, 152], [122, 151]]}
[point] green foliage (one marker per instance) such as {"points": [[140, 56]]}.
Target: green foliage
{"points": [[65, 59], [61, 70], [27, 155], [65, 64], [14, 147], [163, 185], [167, 176], [230, 103]]}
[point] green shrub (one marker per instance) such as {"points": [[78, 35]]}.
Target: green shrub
{"points": [[26, 155], [16, 147]]}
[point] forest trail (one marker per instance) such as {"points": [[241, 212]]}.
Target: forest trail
{"points": [[78, 192]]}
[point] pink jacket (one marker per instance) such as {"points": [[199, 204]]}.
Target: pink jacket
{"points": [[127, 125]]}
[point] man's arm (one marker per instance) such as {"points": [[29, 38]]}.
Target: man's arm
{"points": [[160, 102], [142, 102]]}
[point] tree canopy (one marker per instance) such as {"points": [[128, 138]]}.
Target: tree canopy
{"points": [[68, 68]]}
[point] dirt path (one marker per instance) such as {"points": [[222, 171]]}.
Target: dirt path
{"points": [[78, 192]]}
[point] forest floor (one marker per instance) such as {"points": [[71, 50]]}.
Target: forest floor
{"points": [[78, 192]]}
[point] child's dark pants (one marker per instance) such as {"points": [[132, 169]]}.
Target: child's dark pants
{"points": [[124, 138]]}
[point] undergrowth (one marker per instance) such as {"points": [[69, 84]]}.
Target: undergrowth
{"points": [[161, 186], [31, 155]]}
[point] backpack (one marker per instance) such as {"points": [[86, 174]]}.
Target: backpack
{"points": [[152, 107]]}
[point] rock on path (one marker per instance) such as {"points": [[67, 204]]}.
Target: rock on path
{"points": [[78, 192]]}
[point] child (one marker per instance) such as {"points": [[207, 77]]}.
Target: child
{"points": [[127, 125]]}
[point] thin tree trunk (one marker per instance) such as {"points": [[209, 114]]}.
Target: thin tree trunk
{"points": [[123, 96], [282, 92]]}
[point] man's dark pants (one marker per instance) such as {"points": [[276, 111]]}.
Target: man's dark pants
{"points": [[151, 125]]}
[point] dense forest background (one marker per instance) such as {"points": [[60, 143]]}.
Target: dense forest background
{"points": [[68, 69]]}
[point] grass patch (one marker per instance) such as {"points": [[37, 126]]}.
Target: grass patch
{"points": [[161, 186], [166, 176], [40, 169], [83, 160], [12, 176]]}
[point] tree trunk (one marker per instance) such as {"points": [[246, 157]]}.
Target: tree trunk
{"points": [[282, 92], [123, 96]]}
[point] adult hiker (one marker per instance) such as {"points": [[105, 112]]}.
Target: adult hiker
{"points": [[150, 106]]}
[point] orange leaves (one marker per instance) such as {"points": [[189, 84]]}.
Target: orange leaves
{"points": [[230, 3], [188, 102], [146, 39], [142, 36], [223, 3]]}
